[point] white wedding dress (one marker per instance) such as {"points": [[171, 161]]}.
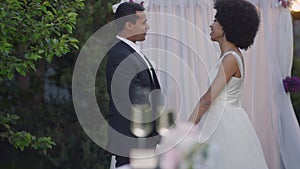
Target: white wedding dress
{"points": [[227, 127]]}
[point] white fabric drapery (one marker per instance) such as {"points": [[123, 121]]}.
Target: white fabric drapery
{"points": [[269, 107], [178, 42], [184, 55]]}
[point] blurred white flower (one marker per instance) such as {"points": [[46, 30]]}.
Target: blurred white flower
{"points": [[181, 149]]}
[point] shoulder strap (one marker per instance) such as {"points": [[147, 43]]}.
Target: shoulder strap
{"points": [[239, 60]]}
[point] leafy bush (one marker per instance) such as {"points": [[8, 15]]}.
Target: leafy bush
{"points": [[31, 31], [44, 110], [295, 97]]}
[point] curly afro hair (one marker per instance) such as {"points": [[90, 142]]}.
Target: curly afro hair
{"points": [[239, 19]]}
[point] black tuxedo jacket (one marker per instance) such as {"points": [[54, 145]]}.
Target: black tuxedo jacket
{"points": [[128, 82]]}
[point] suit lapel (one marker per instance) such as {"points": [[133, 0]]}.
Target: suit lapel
{"points": [[156, 83], [135, 53], [153, 80]]}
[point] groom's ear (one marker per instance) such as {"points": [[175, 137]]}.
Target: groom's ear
{"points": [[128, 26]]}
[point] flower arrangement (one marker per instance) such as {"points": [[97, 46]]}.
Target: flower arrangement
{"points": [[183, 150], [285, 3], [291, 84]]}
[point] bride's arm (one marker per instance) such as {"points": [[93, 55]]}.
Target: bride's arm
{"points": [[228, 68]]}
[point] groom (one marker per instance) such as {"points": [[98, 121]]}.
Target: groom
{"points": [[130, 79]]}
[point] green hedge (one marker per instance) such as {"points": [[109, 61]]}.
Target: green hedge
{"points": [[295, 97]]}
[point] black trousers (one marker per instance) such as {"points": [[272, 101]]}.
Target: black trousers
{"points": [[121, 161]]}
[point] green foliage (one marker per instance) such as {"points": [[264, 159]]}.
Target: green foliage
{"points": [[34, 30], [31, 31], [22, 139], [295, 97], [51, 115]]}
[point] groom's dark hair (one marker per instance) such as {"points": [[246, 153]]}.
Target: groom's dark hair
{"points": [[239, 20], [126, 12]]}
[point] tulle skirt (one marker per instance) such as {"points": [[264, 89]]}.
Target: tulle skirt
{"points": [[236, 142]]}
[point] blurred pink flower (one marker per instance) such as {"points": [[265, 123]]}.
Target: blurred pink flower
{"points": [[170, 160], [181, 144], [285, 3]]}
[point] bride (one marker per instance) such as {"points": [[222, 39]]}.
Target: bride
{"points": [[222, 120]]}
